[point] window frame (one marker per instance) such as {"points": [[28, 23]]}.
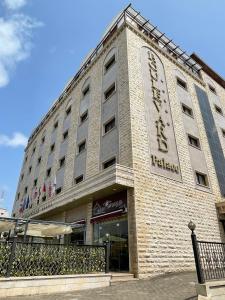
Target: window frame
{"points": [[58, 190], [85, 90], [205, 178], [39, 161], [56, 125], [223, 132], [108, 89], [190, 136], [77, 179], [108, 161], [48, 172], [107, 123], [25, 190], [85, 113], [62, 165], [181, 83], [80, 144], [52, 148], [68, 110], [212, 89], [218, 109], [109, 63], [188, 108], [66, 132]]}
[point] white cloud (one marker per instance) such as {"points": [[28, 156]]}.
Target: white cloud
{"points": [[18, 139], [14, 4], [15, 40]]}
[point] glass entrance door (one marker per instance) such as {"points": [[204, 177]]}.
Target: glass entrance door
{"points": [[116, 233]]}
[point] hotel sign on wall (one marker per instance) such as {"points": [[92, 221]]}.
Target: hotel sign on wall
{"points": [[162, 144]]}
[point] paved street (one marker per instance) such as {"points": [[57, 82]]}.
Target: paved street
{"points": [[171, 287]]}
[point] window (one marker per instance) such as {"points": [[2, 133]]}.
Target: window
{"points": [[48, 172], [110, 63], [56, 125], [193, 141], [81, 146], [25, 190], [58, 191], [39, 160], [109, 163], [35, 182], [33, 150], [202, 179], [223, 132], [30, 168], [18, 196], [79, 179], [52, 148], [218, 109], [86, 90], [65, 135], [68, 111], [84, 116], [62, 162], [110, 91], [43, 140], [187, 110], [212, 89], [14, 215], [22, 176], [109, 125], [26, 159], [181, 83]]}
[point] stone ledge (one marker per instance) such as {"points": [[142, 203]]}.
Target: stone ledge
{"points": [[17, 286], [117, 174], [211, 290]]}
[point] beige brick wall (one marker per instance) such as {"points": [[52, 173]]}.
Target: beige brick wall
{"points": [[94, 128], [159, 208], [163, 206]]}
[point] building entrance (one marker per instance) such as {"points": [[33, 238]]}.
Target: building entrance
{"points": [[116, 233]]}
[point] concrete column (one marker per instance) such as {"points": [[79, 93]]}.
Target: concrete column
{"points": [[89, 226], [133, 254]]}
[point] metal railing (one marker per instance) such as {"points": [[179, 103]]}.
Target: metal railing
{"points": [[209, 258], [18, 259]]}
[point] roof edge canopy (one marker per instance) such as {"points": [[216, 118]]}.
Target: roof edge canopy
{"points": [[208, 70]]}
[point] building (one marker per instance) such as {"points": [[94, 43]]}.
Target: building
{"points": [[132, 150], [3, 213]]}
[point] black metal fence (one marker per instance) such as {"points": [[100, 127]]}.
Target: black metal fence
{"points": [[40, 259], [209, 259]]}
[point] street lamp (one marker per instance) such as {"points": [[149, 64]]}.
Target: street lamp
{"points": [[191, 226]]}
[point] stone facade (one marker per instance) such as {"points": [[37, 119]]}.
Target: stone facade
{"points": [[159, 205]]}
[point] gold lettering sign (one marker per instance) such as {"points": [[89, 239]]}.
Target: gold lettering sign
{"points": [[163, 151]]}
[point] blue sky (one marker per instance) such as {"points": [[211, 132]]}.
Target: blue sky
{"points": [[43, 42]]}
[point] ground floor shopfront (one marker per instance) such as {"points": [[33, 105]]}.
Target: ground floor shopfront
{"points": [[101, 221]]}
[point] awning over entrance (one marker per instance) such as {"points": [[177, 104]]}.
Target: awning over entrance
{"points": [[47, 230], [112, 214], [36, 228]]}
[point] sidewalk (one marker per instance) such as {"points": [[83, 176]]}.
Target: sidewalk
{"points": [[179, 286]]}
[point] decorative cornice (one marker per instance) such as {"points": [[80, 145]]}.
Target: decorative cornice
{"points": [[163, 52]]}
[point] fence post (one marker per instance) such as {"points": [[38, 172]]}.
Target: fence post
{"points": [[200, 276], [11, 257], [107, 253]]}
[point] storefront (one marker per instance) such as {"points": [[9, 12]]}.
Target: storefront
{"points": [[109, 218], [78, 236]]}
